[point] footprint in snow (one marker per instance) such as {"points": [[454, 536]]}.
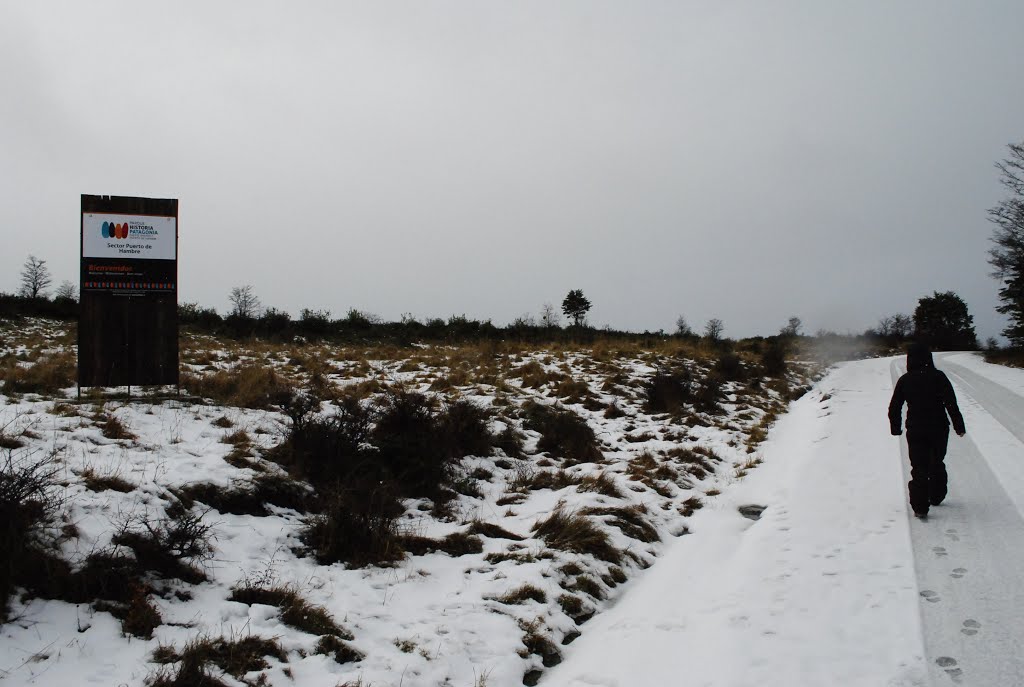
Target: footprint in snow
{"points": [[971, 627], [940, 551], [958, 573], [930, 596], [953, 535], [951, 667]]}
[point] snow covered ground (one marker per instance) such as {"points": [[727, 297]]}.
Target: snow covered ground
{"points": [[836, 584], [432, 619], [803, 570]]}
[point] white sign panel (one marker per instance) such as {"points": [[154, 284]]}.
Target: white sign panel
{"points": [[134, 237]]}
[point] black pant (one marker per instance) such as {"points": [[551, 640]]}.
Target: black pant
{"points": [[927, 470]]}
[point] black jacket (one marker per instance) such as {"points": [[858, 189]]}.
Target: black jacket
{"points": [[928, 394]]}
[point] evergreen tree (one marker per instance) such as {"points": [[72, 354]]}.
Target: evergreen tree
{"points": [[942, 322], [1007, 255], [575, 307]]}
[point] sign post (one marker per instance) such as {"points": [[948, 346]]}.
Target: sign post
{"points": [[128, 319]]}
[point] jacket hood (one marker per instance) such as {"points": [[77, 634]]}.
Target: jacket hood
{"points": [[919, 357]]}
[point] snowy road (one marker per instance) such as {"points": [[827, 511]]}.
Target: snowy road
{"points": [[970, 553], [836, 584]]}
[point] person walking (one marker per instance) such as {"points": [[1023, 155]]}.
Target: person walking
{"points": [[930, 398]]}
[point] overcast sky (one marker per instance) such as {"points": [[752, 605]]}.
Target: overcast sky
{"points": [[742, 160]]}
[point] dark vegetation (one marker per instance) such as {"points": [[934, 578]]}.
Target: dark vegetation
{"points": [[576, 533], [296, 612], [563, 433], [28, 503], [121, 579], [235, 657], [674, 391], [360, 328], [364, 457]]}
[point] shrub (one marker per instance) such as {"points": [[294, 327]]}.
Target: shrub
{"points": [[140, 617], [357, 525], [729, 367], [510, 441], [563, 433], [709, 394], [330, 449], [249, 498], [169, 546], [613, 411], [773, 357], [411, 444], [28, 502], [235, 657], [465, 424], [576, 533], [668, 391]]}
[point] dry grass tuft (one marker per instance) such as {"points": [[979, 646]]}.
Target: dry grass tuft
{"points": [[602, 483], [47, 375], [576, 533], [236, 657], [455, 544], [113, 482], [342, 653], [631, 520], [246, 386], [113, 428], [296, 612], [522, 594]]}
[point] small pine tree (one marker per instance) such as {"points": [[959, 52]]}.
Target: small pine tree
{"points": [[575, 306]]}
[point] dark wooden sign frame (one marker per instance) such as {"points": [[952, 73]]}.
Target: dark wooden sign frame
{"points": [[128, 319]]}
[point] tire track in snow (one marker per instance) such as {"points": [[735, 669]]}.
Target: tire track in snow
{"points": [[1001, 403], [968, 557]]}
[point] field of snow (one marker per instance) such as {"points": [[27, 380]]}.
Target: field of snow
{"points": [[501, 615]]}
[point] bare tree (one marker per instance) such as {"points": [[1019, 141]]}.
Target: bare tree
{"points": [[683, 327], [524, 320], [549, 316], [713, 329], [66, 291], [35, 278], [244, 302], [898, 326], [792, 328]]}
